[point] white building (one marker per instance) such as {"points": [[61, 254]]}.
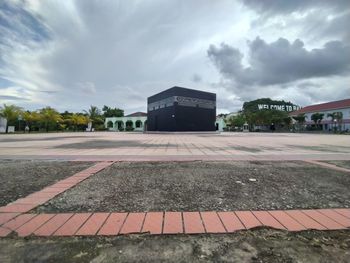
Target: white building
{"points": [[327, 123], [220, 123], [135, 121]]}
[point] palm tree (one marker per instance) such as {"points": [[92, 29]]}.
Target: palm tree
{"points": [[49, 116], [317, 118], [300, 118], [339, 117], [11, 113], [31, 117], [94, 114]]}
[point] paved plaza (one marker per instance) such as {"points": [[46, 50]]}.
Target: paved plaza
{"points": [[163, 190], [116, 146]]}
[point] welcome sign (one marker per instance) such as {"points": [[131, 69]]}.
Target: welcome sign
{"points": [[282, 107]]}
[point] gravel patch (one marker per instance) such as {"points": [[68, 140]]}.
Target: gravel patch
{"points": [[21, 178], [193, 186]]}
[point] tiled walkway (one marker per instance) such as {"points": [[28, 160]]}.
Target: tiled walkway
{"points": [[116, 146], [110, 224], [14, 217]]}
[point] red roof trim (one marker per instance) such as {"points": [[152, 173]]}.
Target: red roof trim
{"points": [[333, 105]]}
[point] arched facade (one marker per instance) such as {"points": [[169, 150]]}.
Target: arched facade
{"points": [[126, 123]]}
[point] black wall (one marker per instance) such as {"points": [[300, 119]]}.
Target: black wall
{"points": [[178, 117]]}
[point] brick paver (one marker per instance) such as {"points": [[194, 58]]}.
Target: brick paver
{"points": [[344, 221], [113, 224], [212, 222], [172, 223], [53, 224], [18, 221], [4, 217], [322, 219], [17, 208], [287, 221], [193, 223], [248, 219], [268, 220], [29, 227], [305, 220], [110, 224], [343, 211], [153, 223], [72, 225], [231, 221], [93, 224], [4, 231], [133, 223]]}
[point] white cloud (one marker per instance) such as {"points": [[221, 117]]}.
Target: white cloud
{"points": [[71, 54]]}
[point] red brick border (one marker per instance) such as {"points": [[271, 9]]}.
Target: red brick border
{"points": [[33, 200], [15, 219], [111, 224], [328, 165]]}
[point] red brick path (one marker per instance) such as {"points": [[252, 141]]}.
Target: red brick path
{"points": [[14, 217], [110, 224]]}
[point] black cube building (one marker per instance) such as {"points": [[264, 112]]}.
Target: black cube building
{"points": [[181, 109]]}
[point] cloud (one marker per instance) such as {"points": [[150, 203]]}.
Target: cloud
{"points": [[196, 78], [280, 61], [272, 7], [71, 54]]}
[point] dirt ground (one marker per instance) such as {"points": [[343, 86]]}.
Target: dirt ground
{"points": [[21, 178], [193, 186], [259, 245], [343, 164]]}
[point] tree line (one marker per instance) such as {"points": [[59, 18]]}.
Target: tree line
{"points": [[282, 121], [49, 119]]}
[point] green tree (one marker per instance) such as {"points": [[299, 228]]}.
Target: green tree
{"points": [[235, 121], [112, 112], [95, 116], [49, 117], [78, 119], [317, 118], [11, 113], [32, 119], [338, 116], [300, 118]]}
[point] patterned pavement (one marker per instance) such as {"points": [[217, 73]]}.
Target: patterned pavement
{"points": [[114, 146]]}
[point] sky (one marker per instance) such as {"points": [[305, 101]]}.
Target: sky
{"points": [[73, 54]]}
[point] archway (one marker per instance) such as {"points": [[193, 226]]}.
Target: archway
{"points": [[110, 124], [129, 124], [119, 125], [138, 124]]}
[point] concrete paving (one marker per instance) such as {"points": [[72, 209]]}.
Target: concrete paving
{"points": [[118, 146]]}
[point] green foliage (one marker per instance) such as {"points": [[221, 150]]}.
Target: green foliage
{"points": [[50, 118], [300, 118], [236, 121], [11, 113], [337, 120], [317, 118], [95, 116], [268, 117], [112, 112], [252, 106]]}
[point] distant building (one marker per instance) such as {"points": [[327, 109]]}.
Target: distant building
{"points": [[135, 121], [327, 123], [181, 109], [3, 124]]}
